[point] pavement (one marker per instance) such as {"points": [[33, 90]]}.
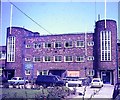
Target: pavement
{"points": [[91, 93]]}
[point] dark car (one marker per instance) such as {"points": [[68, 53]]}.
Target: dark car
{"points": [[4, 82], [116, 91], [49, 80]]}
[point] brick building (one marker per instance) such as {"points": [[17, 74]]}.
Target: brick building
{"points": [[76, 54], [118, 60], [2, 58]]}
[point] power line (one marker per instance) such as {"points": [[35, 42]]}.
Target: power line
{"points": [[29, 17]]}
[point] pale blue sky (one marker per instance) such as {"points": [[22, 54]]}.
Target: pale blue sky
{"points": [[56, 17]]}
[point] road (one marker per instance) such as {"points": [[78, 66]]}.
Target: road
{"points": [[92, 93]]}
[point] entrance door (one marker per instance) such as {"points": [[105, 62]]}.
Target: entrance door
{"points": [[106, 77], [57, 72]]}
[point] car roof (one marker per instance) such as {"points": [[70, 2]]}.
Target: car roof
{"points": [[96, 79]]}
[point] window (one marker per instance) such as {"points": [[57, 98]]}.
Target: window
{"points": [[2, 55], [27, 72], [58, 58], [68, 44], [58, 45], [11, 49], [27, 59], [90, 72], [68, 58], [80, 58], [119, 71], [0, 71], [80, 43], [27, 45], [45, 72], [90, 58], [91, 43], [47, 45], [37, 45], [47, 58], [105, 45], [36, 59]]}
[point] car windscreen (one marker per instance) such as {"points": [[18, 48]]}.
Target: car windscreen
{"points": [[96, 81], [14, 78]]}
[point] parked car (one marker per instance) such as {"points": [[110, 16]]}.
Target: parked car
{"points": [[49, 80], [116, 92], [4, 82], [17, 80], [96, 82]]}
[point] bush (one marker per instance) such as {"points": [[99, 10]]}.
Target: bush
{"points": [[54, 93]]}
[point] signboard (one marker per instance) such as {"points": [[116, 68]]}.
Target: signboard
{"points": [[28, 66]]}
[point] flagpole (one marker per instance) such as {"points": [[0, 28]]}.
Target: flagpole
{"points": [[11, 11], [105, 14]]}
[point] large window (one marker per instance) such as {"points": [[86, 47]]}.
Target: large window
{"points": [[11, 49], [105, 43]]}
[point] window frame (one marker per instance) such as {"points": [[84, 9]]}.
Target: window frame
{"points": [[80, 57], [80, 42], [58, 60], [66, 58], [70, 44]]}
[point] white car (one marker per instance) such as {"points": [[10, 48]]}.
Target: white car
{"points": [[96, 82], [17, 80]]}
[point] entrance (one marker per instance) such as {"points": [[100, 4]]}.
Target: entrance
{"points": [[106, 77], [9, 73], [57, 72]]}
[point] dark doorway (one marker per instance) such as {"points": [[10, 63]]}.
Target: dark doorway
{"points": [[57, 72], [9, 73], [106, 77]]}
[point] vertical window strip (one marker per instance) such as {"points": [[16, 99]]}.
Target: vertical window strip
{"points": [[105, 37], [11, 49]]}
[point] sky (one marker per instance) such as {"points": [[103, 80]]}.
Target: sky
{"points": [[55, 17]]}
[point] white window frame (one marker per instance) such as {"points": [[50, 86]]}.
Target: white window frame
{"points": [[59, 43], [68, 45], [66, 60], [80, 57], [36, 57], [38, 45], [27, 46], [80, 42], [119, 71], [46, 44], [3, 55], [90, 58], [11, 49], [47, 59], [91, 43], [105, 45], [27, 59], [55, 58], [27, 73], [90, 72]]}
